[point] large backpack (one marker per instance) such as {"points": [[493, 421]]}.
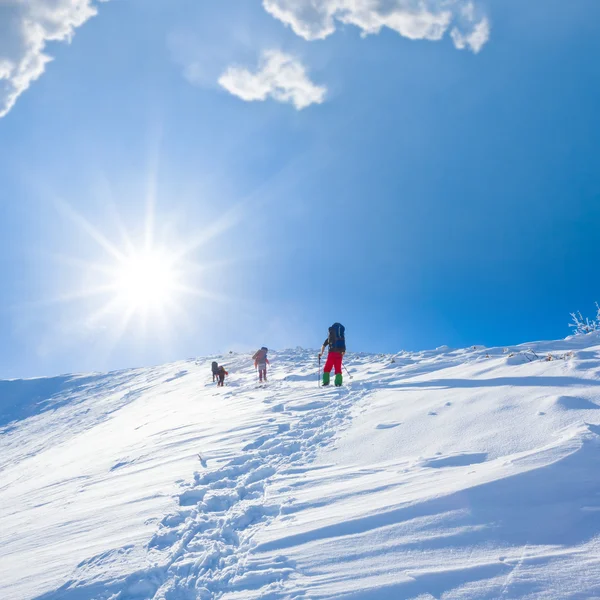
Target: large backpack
{"points": [[337, 338], [261, 355], [215, 367]]}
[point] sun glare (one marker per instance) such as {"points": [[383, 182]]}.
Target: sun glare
{"points": [[146, 281]]}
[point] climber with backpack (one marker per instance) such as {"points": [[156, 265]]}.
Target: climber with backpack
{"points": [[260, 363], [221, 372], [336, 340], [215, 369]]}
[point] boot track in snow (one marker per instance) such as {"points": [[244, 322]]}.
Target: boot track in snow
{"points": [[201, 551]]}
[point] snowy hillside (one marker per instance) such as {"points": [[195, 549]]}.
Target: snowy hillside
{"points": [[468, 474]]}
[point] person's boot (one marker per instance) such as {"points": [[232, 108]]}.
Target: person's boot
{"points": [[338, 379], [326, 377]]}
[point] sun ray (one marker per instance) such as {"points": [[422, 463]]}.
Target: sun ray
{"points": [[107, 197], [116, 331], [84, 224], [110, 308], [223, 224], [80, 263], [149, 283], [73, 296], [205, 294], [151, 193]]}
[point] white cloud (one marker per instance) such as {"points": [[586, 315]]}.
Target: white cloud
{"points": [[280, 76], [475, 40], [413, 19], [25, 28]]}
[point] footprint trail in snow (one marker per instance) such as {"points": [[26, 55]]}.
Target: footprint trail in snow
{"points": [[208, 539]]}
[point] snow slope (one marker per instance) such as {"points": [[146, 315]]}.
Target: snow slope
{"points": [[448, 474]]}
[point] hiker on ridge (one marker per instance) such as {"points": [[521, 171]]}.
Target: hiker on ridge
{"points": [[336, 340], [260, 362], [221, 372]]}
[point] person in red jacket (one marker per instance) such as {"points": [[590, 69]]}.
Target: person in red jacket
{"points": [[336, 340], [221, 372], [260, 362]]}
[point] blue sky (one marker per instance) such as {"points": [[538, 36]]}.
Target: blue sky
{"points": [[422, 191]]}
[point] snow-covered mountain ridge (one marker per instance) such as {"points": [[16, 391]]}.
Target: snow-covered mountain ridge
{"points": [[443, 474]]}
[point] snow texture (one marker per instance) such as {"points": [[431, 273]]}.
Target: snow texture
{"points": [[446, 474]]}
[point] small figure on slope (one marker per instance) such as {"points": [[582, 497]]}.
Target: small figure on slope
{"points": [[260, 362], [336, 340], [221, 372], [215, 370]]}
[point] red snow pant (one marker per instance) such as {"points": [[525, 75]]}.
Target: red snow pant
{"points": [[262, 372], [334, 361]]}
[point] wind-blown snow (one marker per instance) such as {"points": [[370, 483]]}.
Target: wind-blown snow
{"points": [[452, 474]]}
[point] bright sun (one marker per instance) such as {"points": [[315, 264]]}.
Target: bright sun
{"points": [[150, 279], [146, 281]]}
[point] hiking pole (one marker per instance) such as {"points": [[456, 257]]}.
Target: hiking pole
{"points": [[319, 379], [343, 365]]}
